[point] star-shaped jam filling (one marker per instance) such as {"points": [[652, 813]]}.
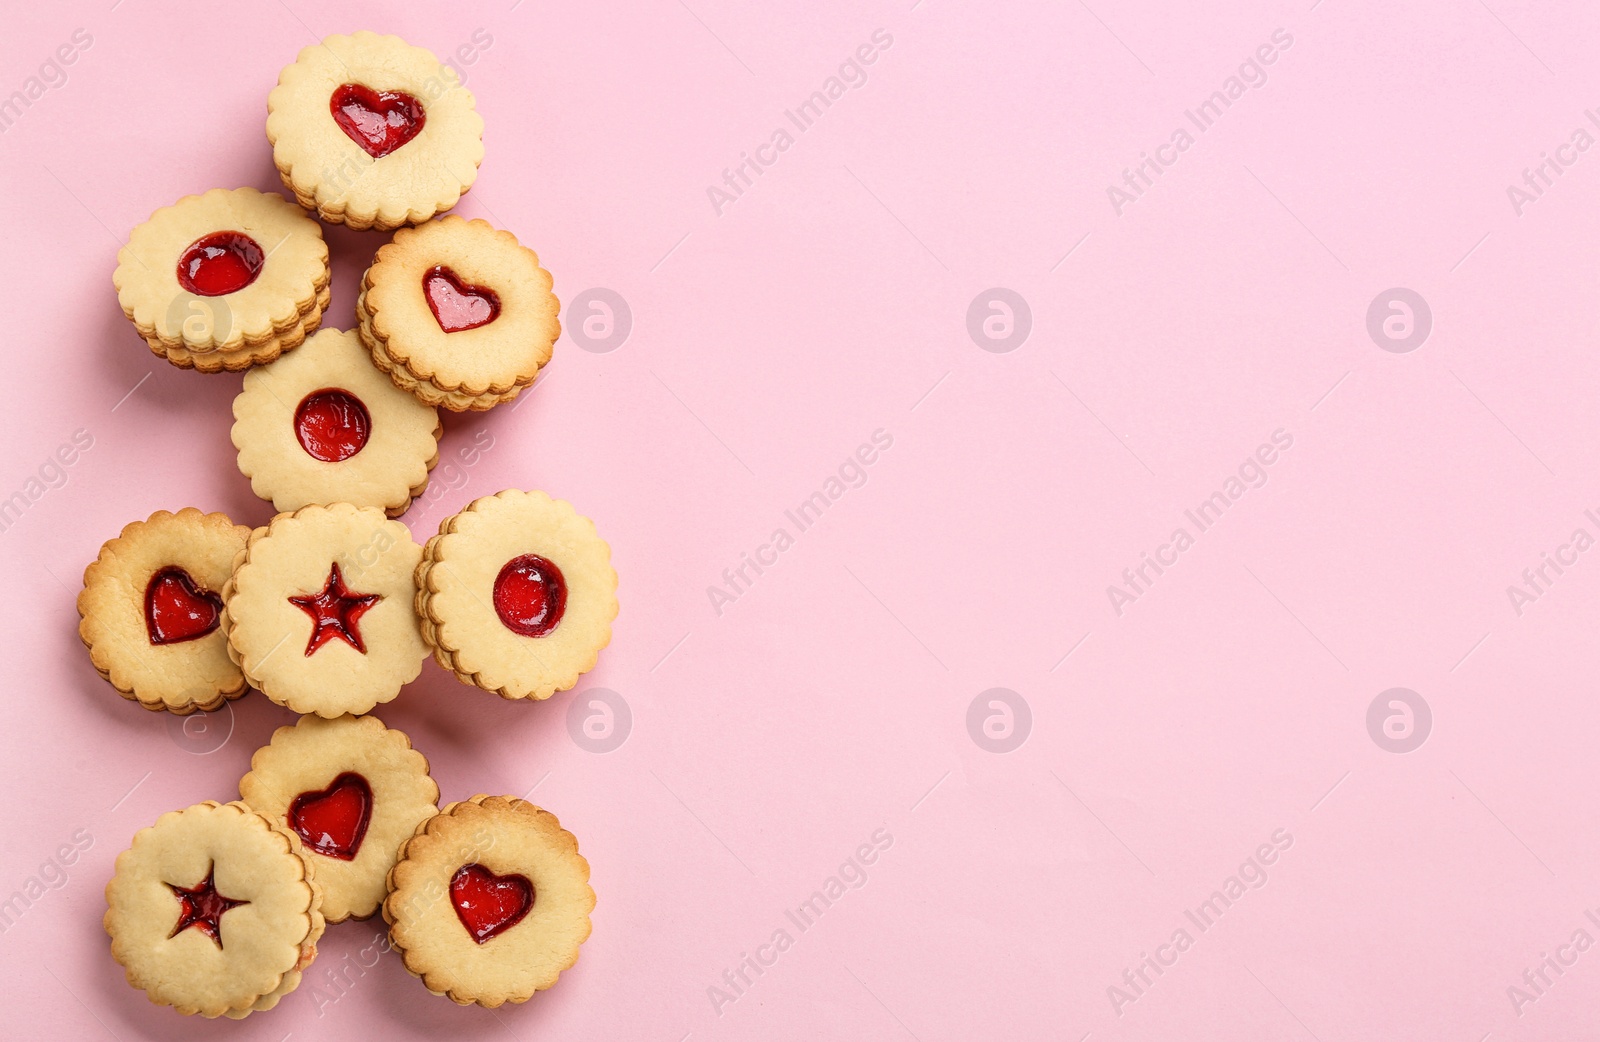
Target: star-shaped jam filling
{"points": [[334, 612], [202, 907]]}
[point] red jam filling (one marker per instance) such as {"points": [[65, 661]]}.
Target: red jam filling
{"points": [[488, 904], [333, 821], [332, 424], [224, 262], [456, 305], [202, 907], [334, 612], [176, 610], [530, 595], [378, 121]]}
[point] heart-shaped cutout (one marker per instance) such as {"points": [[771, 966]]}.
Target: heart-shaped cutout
{"points": [[333, 821], [176, 610], [488, 904], [378, 121], [456, 305]]}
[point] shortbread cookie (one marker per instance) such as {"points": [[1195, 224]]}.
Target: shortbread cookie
{"points": [[322, 425], [150, 611], [212, 362], [224, 271], [371, 132], [319, 611], [516, 594], [353, 791], [458, 313], [214, 910], [489, 902]]}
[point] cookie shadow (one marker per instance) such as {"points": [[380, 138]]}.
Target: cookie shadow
{"points": [[101, 986], [405, 1001], [132, 372], [476, 742]]}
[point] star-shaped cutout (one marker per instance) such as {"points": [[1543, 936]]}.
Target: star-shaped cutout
{"points": [[334, 612], [202, 907]]}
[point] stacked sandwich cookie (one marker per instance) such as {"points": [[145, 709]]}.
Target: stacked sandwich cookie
{"points": [[322, 425], [226, 280], [459, 314], [371, 132]]}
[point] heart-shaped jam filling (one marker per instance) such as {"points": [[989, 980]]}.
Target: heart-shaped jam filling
{"points": [[530, 595], [223, 262], [201, 906], [334, 612], [378, 121], [457, 305], [332, 424], [176, 610], [333, 821], [488, 904]]}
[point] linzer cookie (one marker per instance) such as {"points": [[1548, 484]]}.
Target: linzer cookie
{"points": [[353, 790], [214, 910], [489, 902], [322, 425], [319, 611], [458, 313], [224, 280], [371, 132], [150, 611], [516, 594]]}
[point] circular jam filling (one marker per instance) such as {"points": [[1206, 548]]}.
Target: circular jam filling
{"points": [[332, 424], [530, 595], [223, 262], [456, 305], [378, 121], [176, 609]]}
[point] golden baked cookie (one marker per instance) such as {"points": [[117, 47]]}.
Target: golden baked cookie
{"points": [[458, 313], [212, 362], [227, 271], [516, 594], [319, 612], [150, 611], [489, 901], [353, 790], [322, 425], [371, 132], [214, 910]]}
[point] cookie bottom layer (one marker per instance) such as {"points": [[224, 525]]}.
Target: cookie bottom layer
{"points": [[424, 389], [361, 222], [212, 362]]}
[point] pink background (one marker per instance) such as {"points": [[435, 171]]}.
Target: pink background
{"points": [[830, 699]]}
